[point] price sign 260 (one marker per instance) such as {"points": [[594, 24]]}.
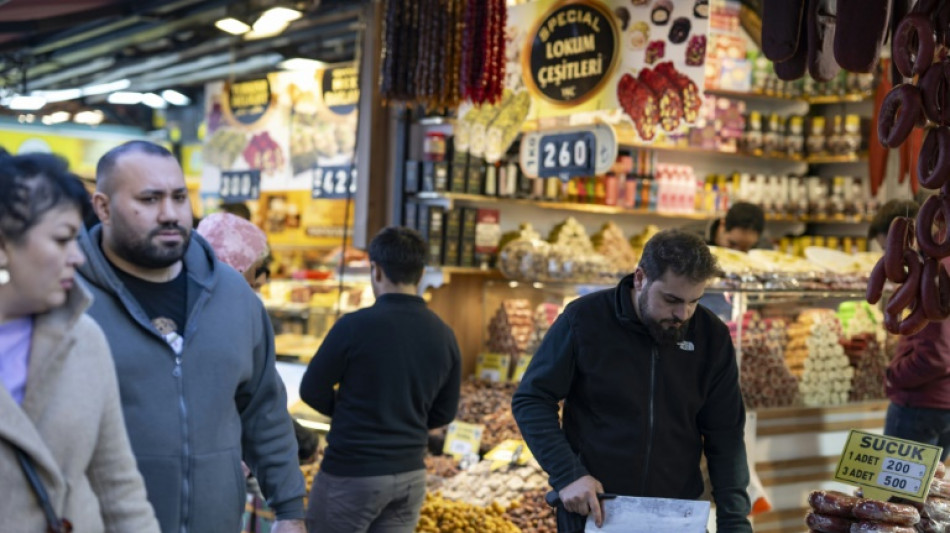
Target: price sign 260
{"points": [[567, 155]]}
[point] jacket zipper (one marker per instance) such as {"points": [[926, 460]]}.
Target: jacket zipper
{"points": [[185, 450], [655, 356]]}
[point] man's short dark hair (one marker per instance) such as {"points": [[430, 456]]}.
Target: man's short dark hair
{"points": [[682, 253], [400, 252], [107, 163], [746, 216], [33, 184], [881, 222]]}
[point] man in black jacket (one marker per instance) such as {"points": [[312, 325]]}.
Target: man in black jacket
{"points": [[649, 381], [398, 369]]}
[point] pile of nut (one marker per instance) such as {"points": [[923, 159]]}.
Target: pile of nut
{"points": [[482, 398], [532, 514], [499, 426], [438, 469], [440, 515], [481, 485]]}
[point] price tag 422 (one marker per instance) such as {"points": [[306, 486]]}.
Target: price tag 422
{"points": [[333, 182], [888, 466]]}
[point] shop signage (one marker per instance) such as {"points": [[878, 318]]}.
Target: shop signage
{"points": [[509, 452], [573, 52], [521, 366], [241, 185], [334, 181], [493, 366], [887, 466], [463, 439], [248, 101], [340, 88], [641, 65], [569, 152]]}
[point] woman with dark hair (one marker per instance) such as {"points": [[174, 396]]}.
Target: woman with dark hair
{"points": [[64, 452]]}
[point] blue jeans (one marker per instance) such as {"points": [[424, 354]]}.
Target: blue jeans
{"points": [[920, 424]]}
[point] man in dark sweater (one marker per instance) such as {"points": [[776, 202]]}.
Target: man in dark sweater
{"points": [[650, 382], [398, 369]]}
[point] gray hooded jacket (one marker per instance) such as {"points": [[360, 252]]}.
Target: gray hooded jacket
{"points": [[190, 417]]}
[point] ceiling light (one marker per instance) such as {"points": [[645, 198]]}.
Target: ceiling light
{"points": [[105, 88], [280, 14], [61, 95], [175, 97], [301, 63], [125, 98], [232, 26], [26, 103], [154, 101], [273, 22], [91, 118], [56, 118]]}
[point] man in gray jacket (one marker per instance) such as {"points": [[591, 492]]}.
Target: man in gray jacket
{"points": [[193, 349]]}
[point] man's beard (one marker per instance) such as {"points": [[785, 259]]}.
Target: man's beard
{"points": [[669, 335], [146, 254]]}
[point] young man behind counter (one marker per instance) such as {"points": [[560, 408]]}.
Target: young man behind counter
{"points": [[399, 370]]}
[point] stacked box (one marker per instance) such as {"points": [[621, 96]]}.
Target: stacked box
{"points": [[467, 243], [452, 237]]}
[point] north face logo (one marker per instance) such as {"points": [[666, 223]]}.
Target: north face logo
{"points": [[687, 346]]}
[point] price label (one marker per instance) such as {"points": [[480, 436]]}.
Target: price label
{"points": [[463, 439], [333, 182], [493, 366], [510, 452], [521, 366], [888, 466], [569, 152], [237, 186], [567, 155]]}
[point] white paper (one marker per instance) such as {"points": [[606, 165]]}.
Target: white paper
{"points": [[651, 515]]}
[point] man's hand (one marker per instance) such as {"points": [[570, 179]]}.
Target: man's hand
{"points": [[581, 497], [289, 526]]}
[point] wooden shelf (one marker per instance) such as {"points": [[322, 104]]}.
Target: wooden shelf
{"points": [[449, 199], [840, 219], [828, 99], [831, 159]]}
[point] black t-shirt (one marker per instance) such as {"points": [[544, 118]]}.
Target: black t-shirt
{"points": [[166, 304]]}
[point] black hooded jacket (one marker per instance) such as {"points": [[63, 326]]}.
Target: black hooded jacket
{"points": [[637, 415]]}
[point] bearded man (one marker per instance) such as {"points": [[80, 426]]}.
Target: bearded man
{"points": [[650, 382], [193, 350]]}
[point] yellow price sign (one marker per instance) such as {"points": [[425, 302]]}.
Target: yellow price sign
{"points": [[463, 439], [493, 366], [521, 366], [888, 466], [509, 452]]}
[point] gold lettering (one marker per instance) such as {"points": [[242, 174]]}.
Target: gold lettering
{"points": [[561, 19], [572, 16]]}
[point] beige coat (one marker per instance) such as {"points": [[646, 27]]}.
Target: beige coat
{"points": [[70, 424]]}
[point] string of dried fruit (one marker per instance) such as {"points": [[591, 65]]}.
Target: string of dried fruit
{"points": [[424, 51], [412, 87], [402, 65], [455, 65], [390, 52], [498, 74]]}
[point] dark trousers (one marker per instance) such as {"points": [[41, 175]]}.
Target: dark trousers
{"points": [[920, 424], [377, 504]]}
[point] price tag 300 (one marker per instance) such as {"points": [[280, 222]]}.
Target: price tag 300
{"points": [[237, 186], [888, 466]]}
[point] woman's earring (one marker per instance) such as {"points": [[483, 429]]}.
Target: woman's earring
{"points": [[4, 276]]}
